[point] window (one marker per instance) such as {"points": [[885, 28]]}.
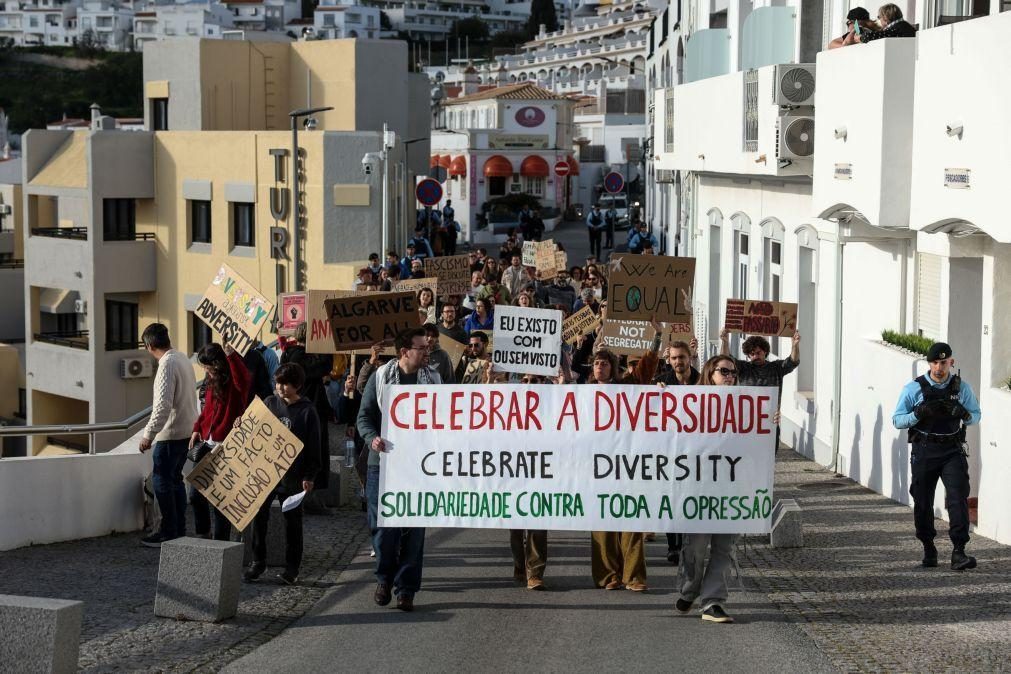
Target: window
{"points": [[751, 111], [715, 241], [496, 186], [120, 325], [66, 323], [741, 274], [200, 333], [668, 120], [534, 186], [243, 224], [119, 219], [928, 295], [22, 412], [159, 114], [807, 297], [200, 221]]}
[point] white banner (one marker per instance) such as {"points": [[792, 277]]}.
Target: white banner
{"points": [[527, 341], [605, 458]]}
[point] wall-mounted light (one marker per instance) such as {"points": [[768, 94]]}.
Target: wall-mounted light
{"points": [[702, 157], [760, 159], [954, 129], [840, 133]]}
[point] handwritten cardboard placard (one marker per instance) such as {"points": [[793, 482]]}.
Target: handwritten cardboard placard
{"points": [[415, 284], [291, 312], [233, 308], [317, 334], [628, 338], [454, 348], [240, 472], [583, 322], [761, 317], [544, 258], [561, 261], [679, 332], [650, 286], [527, 341], [529, 253], [453, 273], [362, 320]]}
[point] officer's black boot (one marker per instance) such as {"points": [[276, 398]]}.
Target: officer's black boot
{"points": [[929, 554], [961, 561]]}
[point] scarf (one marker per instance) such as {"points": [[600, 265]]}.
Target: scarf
{"points": [[389, 375]]}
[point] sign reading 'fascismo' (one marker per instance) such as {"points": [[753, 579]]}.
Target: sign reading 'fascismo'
{"points": [[612, 458]]}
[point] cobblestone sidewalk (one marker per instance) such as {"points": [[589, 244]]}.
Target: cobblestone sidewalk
{"points": [[116, 579], [858, 591]]}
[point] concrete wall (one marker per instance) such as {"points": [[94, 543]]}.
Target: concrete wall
{"points": [[178, 63], [12, 304]]}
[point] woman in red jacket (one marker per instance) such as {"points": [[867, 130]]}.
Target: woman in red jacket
{"points": [[227, 383]]}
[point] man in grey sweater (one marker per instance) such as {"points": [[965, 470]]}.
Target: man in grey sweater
{"points": [[173, 413], [399, 551]]}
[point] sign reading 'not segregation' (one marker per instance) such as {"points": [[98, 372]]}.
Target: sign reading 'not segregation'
{"points": [[606, 458], [239, 473]]}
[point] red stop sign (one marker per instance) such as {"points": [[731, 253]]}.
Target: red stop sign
{"points": [[562, 168]]}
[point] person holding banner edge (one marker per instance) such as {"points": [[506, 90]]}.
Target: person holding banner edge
{"points": [[399, 551]]}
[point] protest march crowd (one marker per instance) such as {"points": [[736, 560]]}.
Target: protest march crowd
{"points": [[528, 318]]}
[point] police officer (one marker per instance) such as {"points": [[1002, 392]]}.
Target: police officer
{"points": [[936, 408]]}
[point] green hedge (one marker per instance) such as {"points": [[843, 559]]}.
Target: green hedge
{"points": [[914, 343]]}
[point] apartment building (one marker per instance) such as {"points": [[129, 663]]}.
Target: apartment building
{"points": [[261, 15], [877, 211], [333, 21], [193, 19], [107, 24], [125, 228]]}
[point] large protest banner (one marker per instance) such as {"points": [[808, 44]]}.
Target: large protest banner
{"points": [[583, 322], [453, 273], [642, 287], [233, 308], [360, 321], [240, 472], [604, 458], [628, 338], [528, 341], [761, 317]]}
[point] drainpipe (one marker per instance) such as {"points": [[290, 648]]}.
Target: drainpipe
{"points": [[837, 368]]}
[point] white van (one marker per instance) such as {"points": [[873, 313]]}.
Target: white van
{"points": [[620, 204]]}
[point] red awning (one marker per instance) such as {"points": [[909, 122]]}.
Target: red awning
{"points": [[573, 166], [534, 167], [498, 166], [445, 160], [458, 167], [434, 161]]}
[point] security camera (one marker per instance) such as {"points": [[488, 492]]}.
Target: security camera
{"points": [[954, 129], [841, 133], [370, 163]]}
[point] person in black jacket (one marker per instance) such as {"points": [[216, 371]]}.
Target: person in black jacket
{"points": [[316, 368], [299, 415], [889, 24], [260, 385]]}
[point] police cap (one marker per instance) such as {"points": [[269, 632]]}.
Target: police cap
{"points": [[938, 351]]}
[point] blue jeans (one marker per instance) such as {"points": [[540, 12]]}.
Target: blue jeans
{"points": [[169, 458], [399, 552]]}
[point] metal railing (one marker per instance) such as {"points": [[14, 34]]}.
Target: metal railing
{"points": [[77, 233], [12, 264], [77, 339], [123, 346], [129, 236]]}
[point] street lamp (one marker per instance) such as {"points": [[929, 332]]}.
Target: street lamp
{"points": [[296, 115]]}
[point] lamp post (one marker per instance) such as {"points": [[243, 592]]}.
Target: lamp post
{"points": [[296, 115]]}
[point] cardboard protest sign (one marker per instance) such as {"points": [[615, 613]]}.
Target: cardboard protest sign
{"points": [[687, 459], [544, 258], [628, 338], [529, 253], [317, 334], [561, 261], [453, 273], [233, 308], [679, 332], [645, 286], [415, 284], [583, 322], [454, 348], [761, 317], [237, 476], [291, 310], [528, 341], [362, 320]]}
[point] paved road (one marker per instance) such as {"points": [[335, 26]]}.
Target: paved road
{"points": [[471, 616]]}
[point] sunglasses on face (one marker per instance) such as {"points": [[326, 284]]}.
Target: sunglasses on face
{"points": [[726, 371]]}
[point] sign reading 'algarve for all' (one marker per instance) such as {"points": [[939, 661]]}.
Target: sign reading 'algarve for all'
{"points": [[604, 458]]}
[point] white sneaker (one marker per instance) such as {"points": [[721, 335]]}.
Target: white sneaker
{"points": [[372, 554]]}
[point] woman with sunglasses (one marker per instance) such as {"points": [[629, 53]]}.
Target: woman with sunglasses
{"points": [[698, 579]]}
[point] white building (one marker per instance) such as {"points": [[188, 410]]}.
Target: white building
{"points": [[878, 211], [332, 20], [49, 23], [263, 14], [195, 19], [109, 24]]}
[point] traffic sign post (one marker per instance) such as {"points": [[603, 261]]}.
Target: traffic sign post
{"points": [[428, 192], [562, 169], [614, 182]]}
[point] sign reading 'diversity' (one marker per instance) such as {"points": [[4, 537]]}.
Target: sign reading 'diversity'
{"points": [[761, 317], [360, 321], [237, 476], [528, 341], [686, 459], [642, 287], [233, 308]]}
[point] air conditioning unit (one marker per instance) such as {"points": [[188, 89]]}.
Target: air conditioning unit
{"points": [[80, 306], [793, 85], [795, 137], [136, 368]]}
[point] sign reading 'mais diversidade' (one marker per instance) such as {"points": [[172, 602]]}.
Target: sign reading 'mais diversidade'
{"points": [[686, 459]]}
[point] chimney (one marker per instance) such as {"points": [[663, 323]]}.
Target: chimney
{"points": [[470, 80], [542, 30], [96, 114]]}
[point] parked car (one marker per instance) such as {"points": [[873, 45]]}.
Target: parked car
{"points": [[620, 202]]}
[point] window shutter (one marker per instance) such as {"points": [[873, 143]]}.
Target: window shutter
{"points": [[928, 295]]}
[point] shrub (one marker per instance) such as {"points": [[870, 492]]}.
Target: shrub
{"points": [[908, 341]]}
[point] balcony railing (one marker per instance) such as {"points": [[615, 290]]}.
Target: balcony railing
{"points": [[123, 346], [75, 339], [12, 264], [127, 236], [78, 233]]}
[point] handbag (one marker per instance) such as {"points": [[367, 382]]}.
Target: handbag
{"points": [[198, 451]]}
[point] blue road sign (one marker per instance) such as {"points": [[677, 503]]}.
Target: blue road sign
{"points": [[429, 192], [614, 182]]}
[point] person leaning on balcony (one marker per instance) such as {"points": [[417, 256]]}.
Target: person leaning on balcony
{"points": [[889, 24], [936, 408], [853, 28], [173, 412], [228, 383]]}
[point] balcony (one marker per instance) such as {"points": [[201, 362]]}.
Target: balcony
{"points": [[76, 233], [959, 134], [863, 144], [75, 339]]}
